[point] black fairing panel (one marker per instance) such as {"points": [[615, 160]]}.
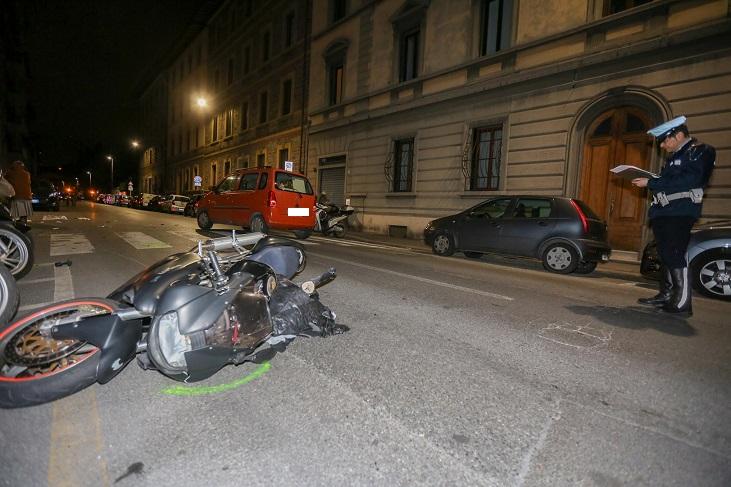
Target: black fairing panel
{"points": [[284, 259], [144, 290]]}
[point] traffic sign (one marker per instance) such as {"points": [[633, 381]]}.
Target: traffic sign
{"points": [[289, 166], [197, 181]]}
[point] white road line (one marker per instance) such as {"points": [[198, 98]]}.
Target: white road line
{"points": [[328, 258], [142, 241], [70, 243], [64, 286], [358, 243], [35, 281], [187, 235]]}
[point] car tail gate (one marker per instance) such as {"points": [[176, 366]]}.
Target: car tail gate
{"points": [[292, 200], [594, 226]]}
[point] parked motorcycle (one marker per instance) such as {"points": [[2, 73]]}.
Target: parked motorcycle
{"points": [[9, 297], [185, 316], [16, 247], [332, 219]]}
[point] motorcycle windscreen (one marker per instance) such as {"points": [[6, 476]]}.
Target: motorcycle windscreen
{"points": [[243, 324]]}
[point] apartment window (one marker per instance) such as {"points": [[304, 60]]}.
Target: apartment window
{"points": [[214, 129], [244, 116], [283, 156], [495, 18], [616, 6], [247, 59], [289, 29], [263, 106], [338, 9], [409, 62], [260, 160], [486, 154], [230, 71], [286, 97], [227, 168], [335, 82], [403, 165], [214, 174], [266, 40], [229, 122]]}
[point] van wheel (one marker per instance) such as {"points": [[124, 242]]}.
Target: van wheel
{"points": [[204, 222], [258, 225], [302, 234]]}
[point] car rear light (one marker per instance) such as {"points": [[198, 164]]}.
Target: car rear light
{"points": [[271, 199], [584, 221]]}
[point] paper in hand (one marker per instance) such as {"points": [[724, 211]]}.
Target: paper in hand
{"points": [[632, 172]]}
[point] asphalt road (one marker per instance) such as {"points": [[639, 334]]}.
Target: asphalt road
{"points": [[454, 372]]}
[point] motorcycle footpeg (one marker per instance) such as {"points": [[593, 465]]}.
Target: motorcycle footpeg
{"points": [[311, 286]]}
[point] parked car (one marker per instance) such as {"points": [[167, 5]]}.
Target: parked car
{"points": [[260, 199], [44, 196], [709, 259], [145, 199], [564, 233], [191, 209], [174, 203], [154, 203]]}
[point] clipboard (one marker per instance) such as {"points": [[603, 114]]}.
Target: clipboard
{"points": [[632, 172]]}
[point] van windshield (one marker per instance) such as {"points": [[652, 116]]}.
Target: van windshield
{"points": [[291, 182]]}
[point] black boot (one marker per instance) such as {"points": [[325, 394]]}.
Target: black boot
{"points": [[680, 300], [666, 286]]}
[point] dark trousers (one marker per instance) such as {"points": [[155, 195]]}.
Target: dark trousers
{"points": [[672, 234]]}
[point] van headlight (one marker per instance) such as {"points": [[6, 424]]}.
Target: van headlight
{"points": [[173, 345]]}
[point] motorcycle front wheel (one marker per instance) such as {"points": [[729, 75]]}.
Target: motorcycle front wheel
{"points": [[16, 251], [36, 368], [9, 297]]}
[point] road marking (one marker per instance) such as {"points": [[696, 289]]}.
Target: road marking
{"points": [[538, 445], [142, 241], [358, 243], [70, 243], [186, 235], [180, 390], [35, 281], [64, 286], [48, 218], [328, 258]]}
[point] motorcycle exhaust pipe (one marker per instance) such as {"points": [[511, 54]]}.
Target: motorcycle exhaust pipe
{"points": [[310, 286]]}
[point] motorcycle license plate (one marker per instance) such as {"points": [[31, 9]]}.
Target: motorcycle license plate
{"points": [[298, 212]]}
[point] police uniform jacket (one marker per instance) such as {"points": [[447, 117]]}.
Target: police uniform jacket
{"points": [[688, 168]]}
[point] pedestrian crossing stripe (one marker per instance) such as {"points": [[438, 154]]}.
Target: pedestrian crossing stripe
{"points": [[69, 244], [187, 235], [142, 241]]}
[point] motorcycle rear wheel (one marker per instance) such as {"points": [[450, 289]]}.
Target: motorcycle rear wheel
{"points": [[339, 230], [16, 251], [36, 369]]}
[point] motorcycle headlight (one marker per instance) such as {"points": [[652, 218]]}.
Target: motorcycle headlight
{"points": [[173, 345]]}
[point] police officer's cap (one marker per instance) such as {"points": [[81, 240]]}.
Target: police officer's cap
{"points": [[665, 130]]}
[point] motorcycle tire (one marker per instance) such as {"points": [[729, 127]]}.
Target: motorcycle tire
{"points": [[302, 234], [9, 296], [17, 251], [35, 369], [339, 230]]}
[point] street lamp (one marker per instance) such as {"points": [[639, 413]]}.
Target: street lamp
{"points": [[201, 102], [111, 158], [89, 173], [135, 144]]}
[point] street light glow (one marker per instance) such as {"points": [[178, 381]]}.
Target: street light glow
{"points": [[135, 144], [201, 102]]}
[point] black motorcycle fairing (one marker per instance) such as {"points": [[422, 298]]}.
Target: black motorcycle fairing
{"points": [[275, 241], [286, 260], [116, 339], [144, 289]]}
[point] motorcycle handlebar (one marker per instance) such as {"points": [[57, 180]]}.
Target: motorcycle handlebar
{"points": [[227, 243]]}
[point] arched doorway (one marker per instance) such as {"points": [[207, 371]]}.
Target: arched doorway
{"points": [[617, 136]]}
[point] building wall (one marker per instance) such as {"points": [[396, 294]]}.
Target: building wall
{"points": [[564, 60]]}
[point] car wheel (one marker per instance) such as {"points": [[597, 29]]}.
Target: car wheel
{"points": [[586, 267], [258, 224], [302, 234], [472, 255], [204, 223], [711, 273], [443, 245], [560, 258]]}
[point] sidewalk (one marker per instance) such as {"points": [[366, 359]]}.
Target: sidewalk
{"points": [[620, 269]]}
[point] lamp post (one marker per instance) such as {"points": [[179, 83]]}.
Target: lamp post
{"points": [[135, 144], [111, 158], [89, 173]]}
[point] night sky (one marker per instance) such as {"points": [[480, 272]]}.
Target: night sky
{"points": [[87, 59]]}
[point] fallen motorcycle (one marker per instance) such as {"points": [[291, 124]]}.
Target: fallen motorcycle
{"points": [[332, 219], [185, 316]]}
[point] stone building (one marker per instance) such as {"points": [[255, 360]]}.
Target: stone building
{"points": [[422, 108], [236, 94]]}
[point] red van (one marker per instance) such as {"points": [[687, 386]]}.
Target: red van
{"points": [[260, 199]]}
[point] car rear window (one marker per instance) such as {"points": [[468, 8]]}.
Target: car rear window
{"points": [[587, 211], [291, 182]]}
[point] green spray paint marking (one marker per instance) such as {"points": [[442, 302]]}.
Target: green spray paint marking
{"points": [[201, 390]]}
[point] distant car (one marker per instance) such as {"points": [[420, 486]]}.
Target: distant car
{"points": [[260, 199], [145, 199], [45, 195], [191, 209], [154, 203], [564, 233], [709, 259], [174, 203]]}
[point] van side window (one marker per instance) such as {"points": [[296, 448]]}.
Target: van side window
{"points": [[228, 184], [532, 208], [248, 181], [263, 180]]}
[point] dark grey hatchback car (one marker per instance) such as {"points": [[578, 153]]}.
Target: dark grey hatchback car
{"points": [[563, 232]]}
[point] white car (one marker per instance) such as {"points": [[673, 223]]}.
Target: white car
{"points": [[175, 203]]}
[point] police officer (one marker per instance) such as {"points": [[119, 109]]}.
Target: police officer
{"points": [[677, 198]]}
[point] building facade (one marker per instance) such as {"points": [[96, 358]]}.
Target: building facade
{"points": [[236, 95], [420, 108]]}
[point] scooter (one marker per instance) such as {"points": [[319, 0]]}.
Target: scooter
{"points": [[331, 219], [185, 316]]}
